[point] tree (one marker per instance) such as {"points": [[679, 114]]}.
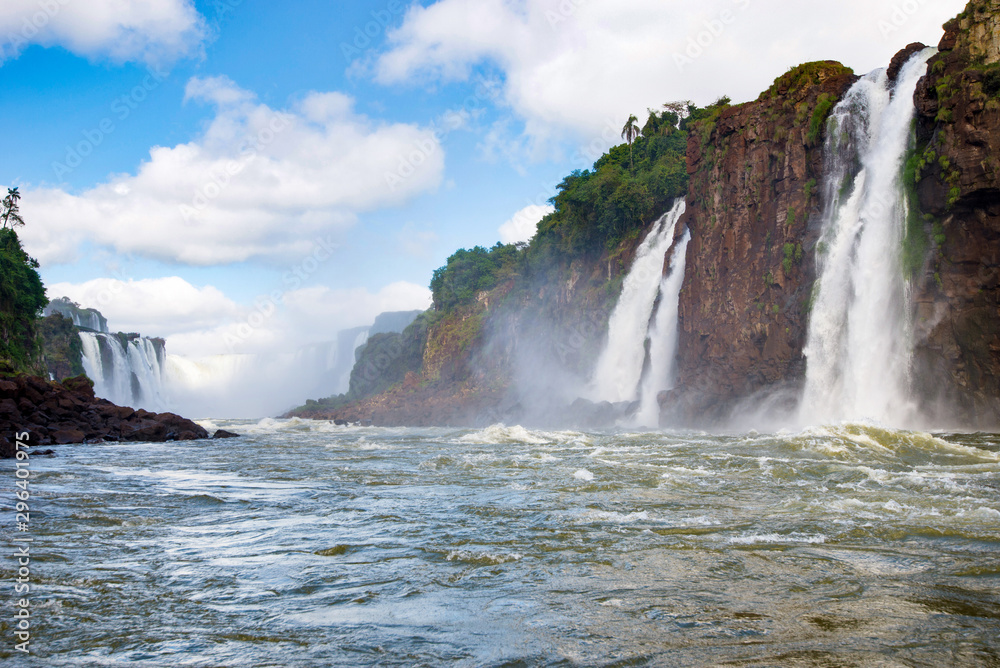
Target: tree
{"points": [[629, 133], [9, 213]]}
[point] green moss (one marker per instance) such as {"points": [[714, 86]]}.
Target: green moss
{"points": [[824, 105], [807, 74], [809, 190], [991, 80]]}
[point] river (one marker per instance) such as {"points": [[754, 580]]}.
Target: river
{"points": [[307, 544]]}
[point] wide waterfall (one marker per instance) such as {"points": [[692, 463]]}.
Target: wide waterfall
{"points": [[126, 370], [860, 334], [619, 369]]}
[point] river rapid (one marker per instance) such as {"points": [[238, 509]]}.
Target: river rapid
{"points": [[307, 544]]}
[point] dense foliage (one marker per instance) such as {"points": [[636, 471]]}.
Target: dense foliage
{"points": [[63, 349], [628, 188], [22, 297], [470, 271]]}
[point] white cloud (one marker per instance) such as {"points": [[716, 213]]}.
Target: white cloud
{"points": [[259, 183], [316, 308], [154, 307], [523, 225], [199, 321], [579, 67], [153, 31]]}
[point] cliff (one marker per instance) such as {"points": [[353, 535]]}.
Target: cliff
{"points": [[956, 174], [753, 212], [509, 354], [522, 348]]}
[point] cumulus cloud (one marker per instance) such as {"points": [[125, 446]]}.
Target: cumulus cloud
{"points": [[198, 321], [259, 183], [156, 307], [523, 224], [578, 68], [154, 31]]}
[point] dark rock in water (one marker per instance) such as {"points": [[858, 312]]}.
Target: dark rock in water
{"points": [[340, 423], [222, 433], [64, 436], [68, 412]]}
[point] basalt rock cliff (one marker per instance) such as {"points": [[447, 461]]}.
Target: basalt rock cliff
{"points": [[956, 168], [753, 211]]}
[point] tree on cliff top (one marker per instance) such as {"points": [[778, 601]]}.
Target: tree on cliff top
{"points": [[22, 296], [629, 133], [9, 213]]}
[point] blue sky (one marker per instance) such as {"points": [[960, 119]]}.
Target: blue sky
{"points": [[247, 175]]}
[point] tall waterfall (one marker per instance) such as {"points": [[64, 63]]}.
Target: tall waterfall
{"points": [[619, 369], [129, 373], [860, 335], [663, 338]]}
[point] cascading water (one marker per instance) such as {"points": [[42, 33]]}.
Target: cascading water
{"points": [[663, 338], [619, 369], [129, 374], [860, 340]]}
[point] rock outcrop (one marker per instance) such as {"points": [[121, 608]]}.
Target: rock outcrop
{"points": [[754, 212], [957, 171], [68, 412]]}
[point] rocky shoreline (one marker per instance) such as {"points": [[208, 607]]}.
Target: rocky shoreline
{"points": [[63, 413]]}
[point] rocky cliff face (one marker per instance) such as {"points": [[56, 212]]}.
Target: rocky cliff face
{"points": [[520, 352], [956, 168], [754, 213]]}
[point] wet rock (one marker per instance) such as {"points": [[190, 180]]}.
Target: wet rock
{"points": [[68, 412], [222, 433]]}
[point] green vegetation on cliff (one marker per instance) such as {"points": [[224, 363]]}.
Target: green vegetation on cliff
{"points": [[63, 349], [628, 188], [22, 296], [596, 209]]}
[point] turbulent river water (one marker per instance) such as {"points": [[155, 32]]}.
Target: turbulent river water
{"points": [[306, 544]]}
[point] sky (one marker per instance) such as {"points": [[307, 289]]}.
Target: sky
{"points": [[244, 176]]}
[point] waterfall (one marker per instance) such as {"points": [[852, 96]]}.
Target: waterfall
{"points": [[860, 340], [663, 338], [129, 374], [619, 369]]}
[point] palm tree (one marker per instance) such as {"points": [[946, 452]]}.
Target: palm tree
{"points": [[9, 212], [629, 133]]}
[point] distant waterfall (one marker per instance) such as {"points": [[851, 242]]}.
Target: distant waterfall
{"points": [[860, 339], [663, 338], [128, 375], [618, 372]]}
